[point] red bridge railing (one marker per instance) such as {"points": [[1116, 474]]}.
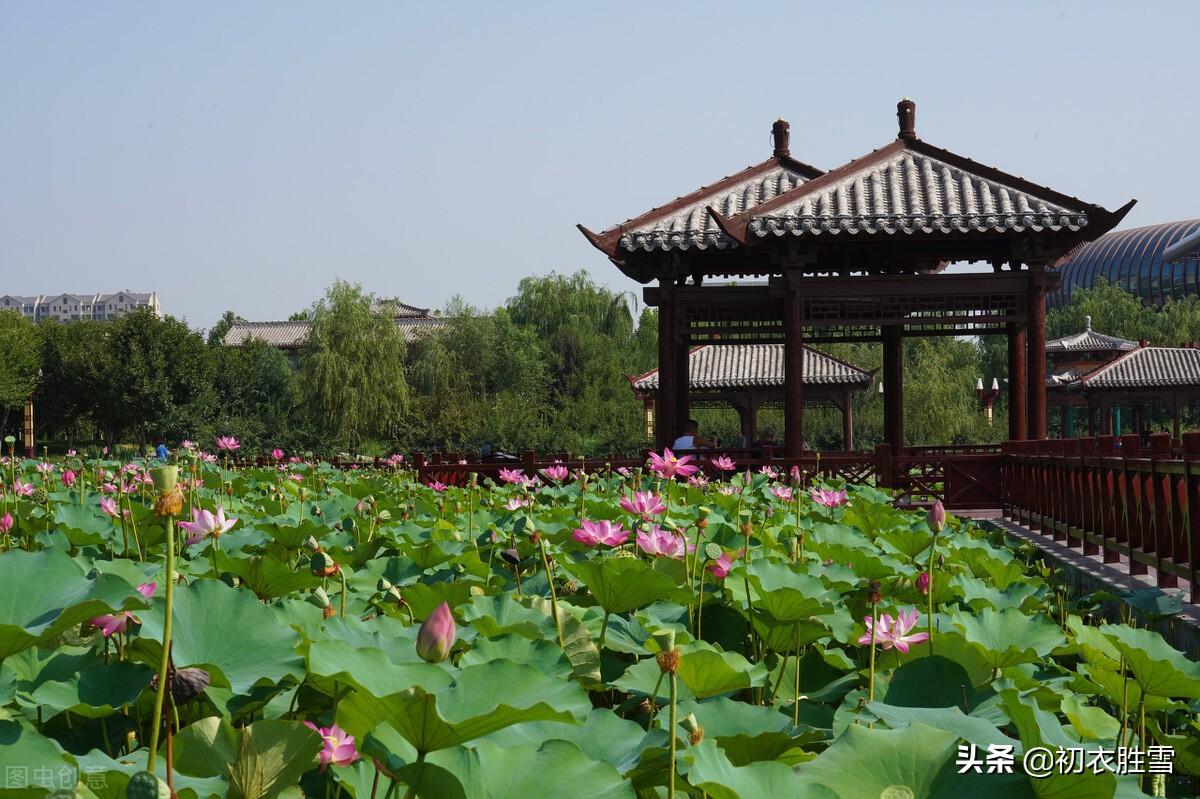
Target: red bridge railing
{"points": [[1112, 497]]}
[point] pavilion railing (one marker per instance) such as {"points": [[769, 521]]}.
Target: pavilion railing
{"points": [[1113, 497], [960, 480]]}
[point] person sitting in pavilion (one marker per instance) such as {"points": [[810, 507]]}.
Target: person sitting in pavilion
{"points": [[766, 438], [691, 439]]}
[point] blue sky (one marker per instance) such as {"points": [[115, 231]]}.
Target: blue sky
{"points": [[243, 155]]}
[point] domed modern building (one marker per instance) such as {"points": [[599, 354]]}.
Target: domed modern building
{"points": [[1154, 262]]}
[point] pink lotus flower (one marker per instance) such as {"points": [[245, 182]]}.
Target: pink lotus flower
{"points": [[6, 523], [228, 443], [44, 468], [186, 444], [720, 567], [698, 479], [937, 517], [109, 506], [894, 634], [724, 463], [277, 454], [71, 453], [796, 475], [512, 476], [659, 542], [112, 623], [727, 489], [643, 504], [437, 634], [516, 503], [783, 493], [923, 583], [769, 471], [23, 489], [338, 748], [208, 457], [602, 532], [829, 497], [68, 478], [624, 471], [296, 478], [667, 466], [204, 524], [557, 472], [438, 485]]}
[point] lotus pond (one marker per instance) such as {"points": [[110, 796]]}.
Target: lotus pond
{"points": [[358, 634]]}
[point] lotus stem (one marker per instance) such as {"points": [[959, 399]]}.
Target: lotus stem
{"points": [[874, 624], [929, 571], [603, 630], [671, 763], [553, 594], [160, 694]]}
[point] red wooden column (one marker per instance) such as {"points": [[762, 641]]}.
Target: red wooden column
{"points": [[893, 388], [664, 420], [793, 370], [1036, 353], [847, 422], [683, 399], [1017, 431]]}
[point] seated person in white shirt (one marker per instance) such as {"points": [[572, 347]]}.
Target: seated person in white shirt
{"points": [[691, 438]]}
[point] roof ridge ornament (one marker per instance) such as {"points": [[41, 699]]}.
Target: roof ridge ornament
{"points": [[780, 133], [1087, 323], [906, 113]]}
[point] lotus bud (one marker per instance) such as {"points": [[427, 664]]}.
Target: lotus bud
{"points": [[437, 634], [6, 522], [923, 580], [937, 517]]}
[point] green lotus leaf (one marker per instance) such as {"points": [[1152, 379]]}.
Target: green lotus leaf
{"points": [[707, 671], [748, 733], [267, 577], [978, 594], [544, 655], [25, 752], [229, 632], [1008, 637], [1158, 668], [107, 778], [620, 585], [369, 669], [578, 646], [260, 761], [1039, 728], [91, 688], [83, 524], [59, 597], [494, 616], [555, 768], [935, 681], [1095, 646], [973, 729], [907, 541], [706, 768], [603, 736], [916, 762], [1186, 746], [1090, 723], [643, 676], [482, 699]]}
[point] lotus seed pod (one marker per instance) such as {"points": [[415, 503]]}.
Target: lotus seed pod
{"points": [[477, 590], [511, 556], [319, 598], [165, 478], [144, 785], [665, 639], [383, 584], [40, 496], [312, 544], [712, 551]]}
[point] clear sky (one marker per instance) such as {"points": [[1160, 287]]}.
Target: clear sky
{"points": [[242, 155]]}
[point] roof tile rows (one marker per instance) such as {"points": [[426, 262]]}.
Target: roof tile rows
{"points": [[1148, 367], [294, 334], [1089, 341], [718, 366]]}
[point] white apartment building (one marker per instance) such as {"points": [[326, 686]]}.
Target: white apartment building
{"points": [[73, 307]]}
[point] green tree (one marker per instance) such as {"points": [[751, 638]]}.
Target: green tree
{"points": [[216, 335], [353, 369], [20, 359]]}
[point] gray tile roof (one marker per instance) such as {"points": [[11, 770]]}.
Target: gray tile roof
{"points": [[692, 225], [1089, 341], [717, 366], [1148, 367], [294, 335], [914, 192]]}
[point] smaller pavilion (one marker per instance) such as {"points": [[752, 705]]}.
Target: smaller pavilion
{"points": [[1103, 374], [747, 377]]}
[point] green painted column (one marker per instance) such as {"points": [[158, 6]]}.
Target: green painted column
{"points": [[1117, 420], [1070, 425]]}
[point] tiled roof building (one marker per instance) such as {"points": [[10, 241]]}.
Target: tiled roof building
{"points": [[293, 335]]}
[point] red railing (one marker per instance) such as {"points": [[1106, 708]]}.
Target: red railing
{"points": [[1112, 497], [962, 481]]}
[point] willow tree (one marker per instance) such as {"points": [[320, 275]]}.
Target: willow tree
{"points": [[352, 371]]}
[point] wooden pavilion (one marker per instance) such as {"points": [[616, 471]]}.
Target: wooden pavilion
{"points": [[748, 377], [854, 254]]}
